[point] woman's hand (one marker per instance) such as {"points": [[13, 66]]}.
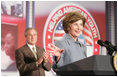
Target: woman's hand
{"points": [[56, 51]]}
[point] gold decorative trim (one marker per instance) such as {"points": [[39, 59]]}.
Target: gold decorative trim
{"points": [[115, 61]]}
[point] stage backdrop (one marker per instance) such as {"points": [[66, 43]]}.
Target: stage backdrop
{"points": [[48, 22]]}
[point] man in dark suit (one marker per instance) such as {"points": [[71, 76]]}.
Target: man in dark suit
{"points": [[30, 59]]}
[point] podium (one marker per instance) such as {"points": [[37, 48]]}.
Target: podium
{"points": [[95, 65]]}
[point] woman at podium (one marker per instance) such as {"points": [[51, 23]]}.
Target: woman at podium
{"points": [[69, 49]]}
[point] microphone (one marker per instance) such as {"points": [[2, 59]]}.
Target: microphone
{"points": [[109, 47], [109, 43]]}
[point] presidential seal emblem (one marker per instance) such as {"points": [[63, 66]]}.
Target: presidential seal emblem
{"points": [[53, 29]]}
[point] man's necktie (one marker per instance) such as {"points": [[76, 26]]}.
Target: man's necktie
{"points": [[34, 52]]}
